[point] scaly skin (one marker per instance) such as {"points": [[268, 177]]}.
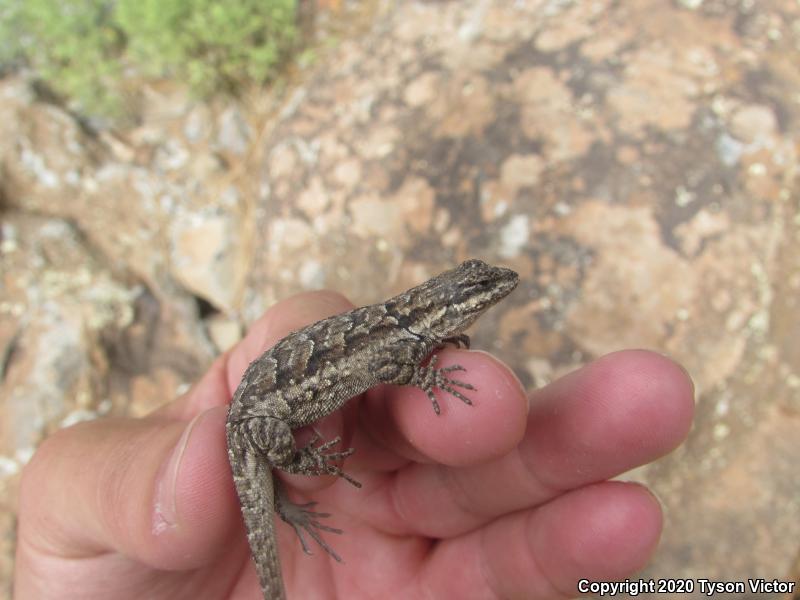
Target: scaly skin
{"points": [[313, 371]]}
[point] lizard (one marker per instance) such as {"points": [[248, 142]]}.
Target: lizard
{"points": [[313, 371]]}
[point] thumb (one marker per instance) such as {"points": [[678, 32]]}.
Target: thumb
{"points": [[157, 490]]}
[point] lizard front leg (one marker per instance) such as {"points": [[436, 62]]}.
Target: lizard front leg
{"points": [[425, 378]]}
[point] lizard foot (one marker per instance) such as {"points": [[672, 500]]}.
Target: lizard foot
{"points": [[303, 519], [427, 378], [315, 460]]}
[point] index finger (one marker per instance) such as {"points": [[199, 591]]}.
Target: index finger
{"points": [[398, 424], [621, 411]]}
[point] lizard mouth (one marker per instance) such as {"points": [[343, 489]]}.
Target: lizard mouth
{"points": [[496, 285]]}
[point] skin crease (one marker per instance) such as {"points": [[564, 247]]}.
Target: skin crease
{"points": [[512, 492]]}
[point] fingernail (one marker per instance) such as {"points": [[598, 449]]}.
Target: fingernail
{"points": [[166, 512]]}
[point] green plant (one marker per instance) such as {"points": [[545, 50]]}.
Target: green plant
{"points": [[81, 48], [72, 45], [211, 44]]}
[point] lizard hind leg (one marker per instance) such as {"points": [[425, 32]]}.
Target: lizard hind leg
{"points": [[316, 460], [274, 440], [303, 519], [271, 437]]}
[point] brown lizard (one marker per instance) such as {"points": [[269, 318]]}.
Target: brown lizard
{"points": [[313, 371]]}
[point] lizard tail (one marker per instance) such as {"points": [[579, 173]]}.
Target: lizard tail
{"points": [[254, 485]]}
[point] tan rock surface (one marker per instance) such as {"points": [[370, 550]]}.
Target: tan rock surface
{"points": [[636, 162]]}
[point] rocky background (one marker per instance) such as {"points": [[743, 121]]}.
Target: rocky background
{"points": [[636, 162]]}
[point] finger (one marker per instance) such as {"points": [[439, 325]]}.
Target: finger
{"points": [[601, 532], [157, 491], [619, 412], [623, 410], [398, 424]]}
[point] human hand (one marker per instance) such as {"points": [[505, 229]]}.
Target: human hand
{"points": [[507, 498]]}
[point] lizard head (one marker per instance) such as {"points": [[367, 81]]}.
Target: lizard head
{"points": [[447, 304]]}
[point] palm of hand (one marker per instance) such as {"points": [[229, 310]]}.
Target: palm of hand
{"points": [[506, 498]]}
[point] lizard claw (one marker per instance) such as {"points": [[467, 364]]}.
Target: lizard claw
{"points": [[315, 460], [303, 519], [429, 377], [452, 368]]}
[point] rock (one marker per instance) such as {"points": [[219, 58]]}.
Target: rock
{"points": [[234, 132], [753, 123], [58, 303], [635, 162], [224, 332], [206, 248]]}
